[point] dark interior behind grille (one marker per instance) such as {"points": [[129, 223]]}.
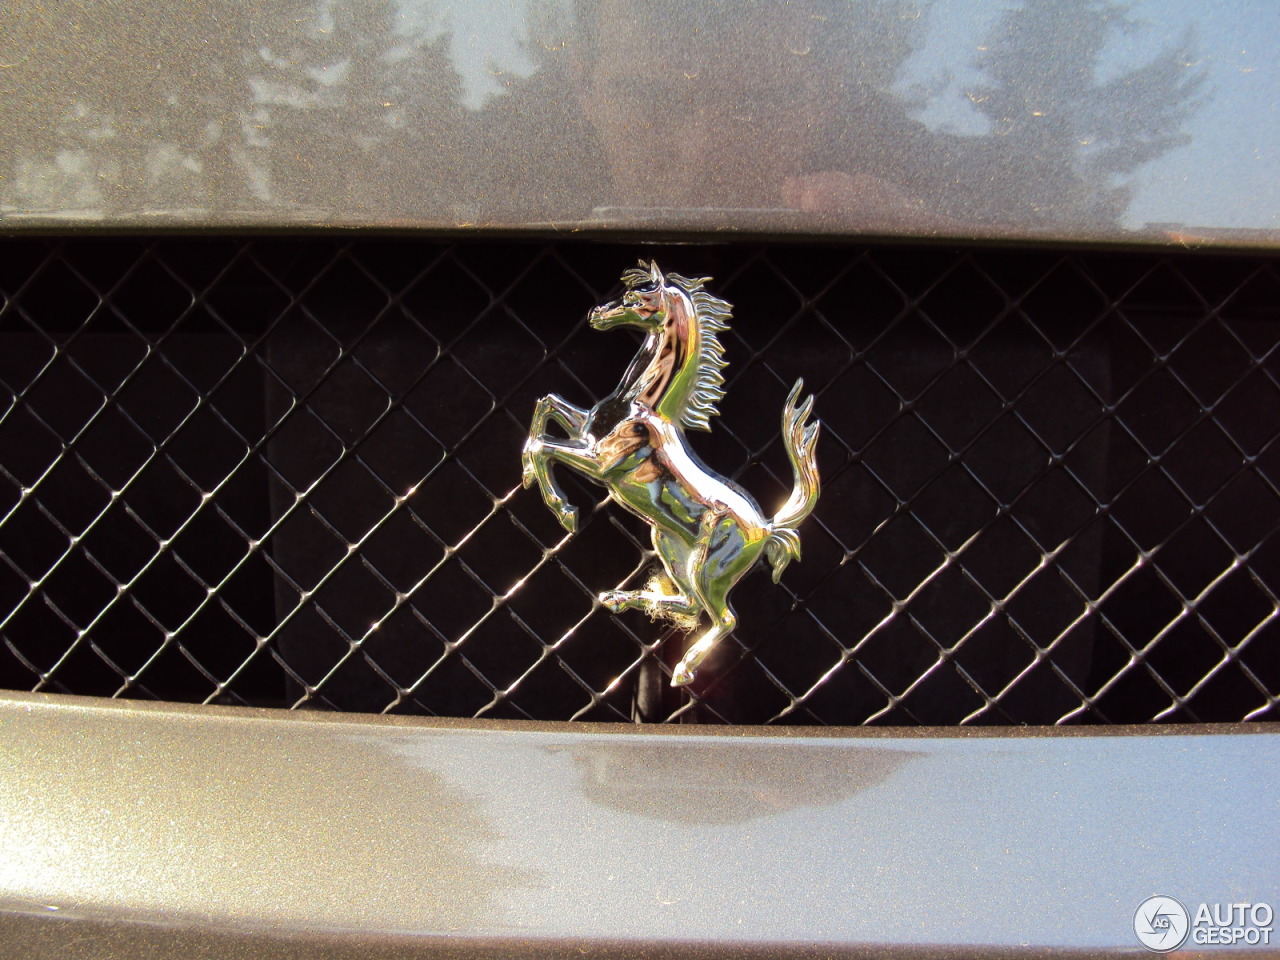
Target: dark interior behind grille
{"points": [[285, 472]]}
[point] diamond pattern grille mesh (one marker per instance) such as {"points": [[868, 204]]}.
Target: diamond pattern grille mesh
{"points": [[286, 473]]}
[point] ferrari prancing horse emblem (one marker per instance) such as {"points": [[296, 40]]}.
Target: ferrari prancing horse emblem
{"points": [[707, 531]]}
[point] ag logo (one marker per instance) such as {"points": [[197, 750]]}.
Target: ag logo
{"points": [[1161, 924]]}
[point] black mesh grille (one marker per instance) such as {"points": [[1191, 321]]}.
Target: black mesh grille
{"points": [[286, 472]]}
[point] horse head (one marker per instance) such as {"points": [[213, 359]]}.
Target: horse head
{"points": [[648, 302]]}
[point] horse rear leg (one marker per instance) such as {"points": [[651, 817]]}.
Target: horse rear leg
{"points": [[669, 595], [724, 622], [726, 556], [680, 610]]}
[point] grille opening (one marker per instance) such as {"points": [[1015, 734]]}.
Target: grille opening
{"points": [[285, 472]]}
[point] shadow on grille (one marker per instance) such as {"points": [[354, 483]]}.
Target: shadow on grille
{"points": [[285, 472]]}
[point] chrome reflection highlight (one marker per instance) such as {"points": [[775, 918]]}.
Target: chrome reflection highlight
{"points": [[707, 531]]}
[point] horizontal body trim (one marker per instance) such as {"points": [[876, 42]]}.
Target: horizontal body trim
{"points": [[440, 833]]}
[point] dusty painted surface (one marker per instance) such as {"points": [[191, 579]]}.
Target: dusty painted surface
{"points": [[317, 826], [1154, 121]]}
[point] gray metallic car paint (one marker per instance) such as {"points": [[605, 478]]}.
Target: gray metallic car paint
{"points": [[439, 834], [1089, 121]]}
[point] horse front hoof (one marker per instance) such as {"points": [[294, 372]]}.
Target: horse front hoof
{"points": [[569, 519], [682, 676]]}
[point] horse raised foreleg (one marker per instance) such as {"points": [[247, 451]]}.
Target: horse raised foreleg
{"points": [[549, 408], [555, 407], [542, 455]]}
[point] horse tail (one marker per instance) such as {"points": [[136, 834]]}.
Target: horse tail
{"points": [[800, 438]]}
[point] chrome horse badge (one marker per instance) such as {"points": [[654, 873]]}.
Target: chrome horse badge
{"points": [[707, 531]]}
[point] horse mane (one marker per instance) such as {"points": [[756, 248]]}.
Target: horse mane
{"points": [[712, 316]]}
